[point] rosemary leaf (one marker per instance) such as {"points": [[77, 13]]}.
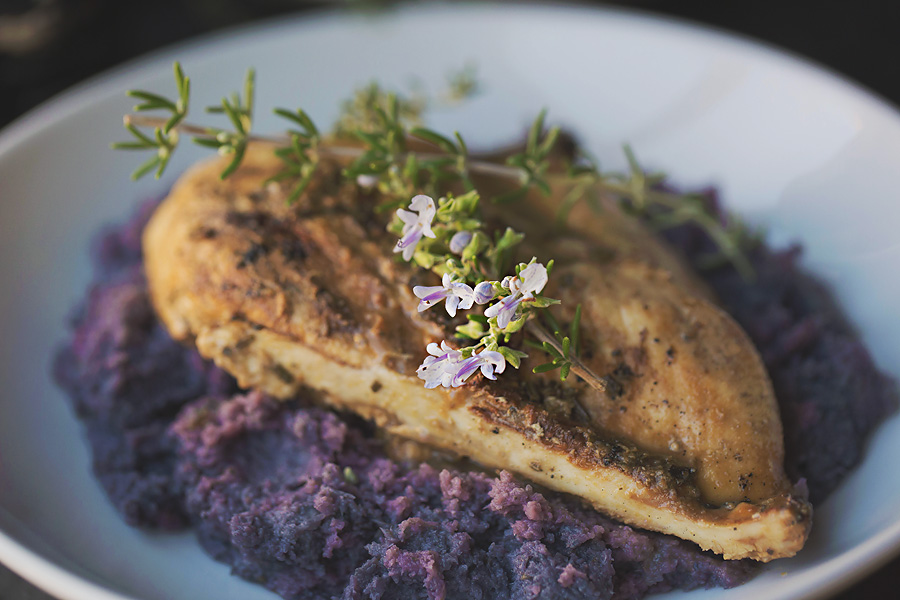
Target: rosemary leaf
{"points": [[146, 167], [435, 138], [575, 328]]}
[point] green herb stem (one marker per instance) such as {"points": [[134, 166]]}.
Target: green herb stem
{"points": [[639, 196], [482, 167], [578, 367]]}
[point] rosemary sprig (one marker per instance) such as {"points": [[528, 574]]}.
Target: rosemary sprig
{"points": [[564, 351], [580, 183], [301, 155], [239, 111], [164, 138], [461, 248]]}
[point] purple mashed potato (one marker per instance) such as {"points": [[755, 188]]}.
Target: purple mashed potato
{"points": [[305, 501], [128, 380]]}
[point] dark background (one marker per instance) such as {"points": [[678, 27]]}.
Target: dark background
{"points": [[48, 45]]}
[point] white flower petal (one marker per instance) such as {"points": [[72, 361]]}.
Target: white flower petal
{"points": [[423, 291], [534, 277], [407, 217], [421, 202], [491, 311], [462, 290], [487, 369], [507, 311], [451, 304], [494, 358], [366, 181]]}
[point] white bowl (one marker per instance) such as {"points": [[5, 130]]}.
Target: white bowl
{"points": [[792, 147]]}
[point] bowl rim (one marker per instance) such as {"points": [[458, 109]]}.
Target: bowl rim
{"points": [[42, 571]]}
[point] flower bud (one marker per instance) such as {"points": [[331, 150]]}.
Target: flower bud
{"points": [[367, 181], [484, 292], [459, 241]]}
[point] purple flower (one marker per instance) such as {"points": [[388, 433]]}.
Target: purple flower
{"points": [[459, 241], [484, 292], [415, 224], [457, 294], [504, 310], [488, 361], [446, 367], [530, 281], [438, 368]]}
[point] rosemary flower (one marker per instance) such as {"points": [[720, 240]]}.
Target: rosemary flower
{"points": [[367, 182], [459, 241], [445, 366], [437, 369], [457, 295], [415, 224], [484, 292], [523, 286], [488, 361]]}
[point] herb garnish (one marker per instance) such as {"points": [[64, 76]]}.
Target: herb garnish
{"points": [[447, 237]]}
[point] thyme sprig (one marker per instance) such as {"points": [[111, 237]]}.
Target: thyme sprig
{"points": [[361, 111], [454, 166], [533, 162], [384, 142], [462, 84]]}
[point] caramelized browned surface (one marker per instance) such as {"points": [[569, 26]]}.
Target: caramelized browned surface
{"points": [[689, 442]]}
